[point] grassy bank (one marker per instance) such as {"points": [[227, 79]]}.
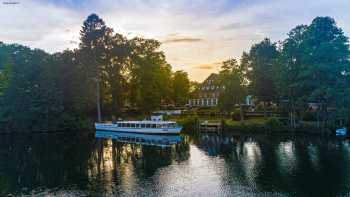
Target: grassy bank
{"points": [[253, 125]]}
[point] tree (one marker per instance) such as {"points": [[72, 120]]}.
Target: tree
{"points": [[150, 75], [315, 60], [262, 57], [5, 68], [65, 89], [232, 78], [287, 72], [93, 49], [113, 75], [31, 97], [181, 88]]}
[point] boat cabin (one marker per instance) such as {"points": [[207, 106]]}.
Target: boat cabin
{"points": [[146, 124]]}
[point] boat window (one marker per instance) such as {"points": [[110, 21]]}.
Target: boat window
{"points": [[153, 125], [148, 125], [127, 125], [159, 126], [142, 125]]}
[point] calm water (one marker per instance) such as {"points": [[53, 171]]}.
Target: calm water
{"points": [[206, 165]]}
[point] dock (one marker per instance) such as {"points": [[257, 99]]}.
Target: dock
{"points": [[206, 126]]}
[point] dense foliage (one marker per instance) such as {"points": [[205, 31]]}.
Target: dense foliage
{"points": [[107, 75], [310, 66], [112, 75]]}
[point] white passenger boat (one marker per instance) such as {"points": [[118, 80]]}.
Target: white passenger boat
{"points": [[153, 126]]}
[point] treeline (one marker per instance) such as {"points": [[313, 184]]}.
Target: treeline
{"points": [[108, 73], [310, 66]]}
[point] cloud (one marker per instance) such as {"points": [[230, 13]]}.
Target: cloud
{"points": [[233, 26], [204, 30], [39, 25], [184, 39], [209, 66]]}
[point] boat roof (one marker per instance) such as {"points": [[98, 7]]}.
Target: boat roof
{"points": [[146, 122]]}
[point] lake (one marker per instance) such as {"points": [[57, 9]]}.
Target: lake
{"points": [[203, 165]]}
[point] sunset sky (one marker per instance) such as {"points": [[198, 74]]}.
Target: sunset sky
{"points": [[196, 35]]}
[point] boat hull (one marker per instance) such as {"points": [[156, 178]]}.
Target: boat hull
{"points": [[113, 127], [138, 138]]}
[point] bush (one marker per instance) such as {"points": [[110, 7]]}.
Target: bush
{"points": [[273, 124], [189, 124], [236, 115], [309, 116]]}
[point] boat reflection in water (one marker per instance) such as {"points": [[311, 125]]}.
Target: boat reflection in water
{"points": [[143, 139]]}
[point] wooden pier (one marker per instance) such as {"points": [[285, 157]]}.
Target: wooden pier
{"points": [[206, 126]]}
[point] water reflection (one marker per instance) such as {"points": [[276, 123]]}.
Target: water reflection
{"points": [[277, 165], [143, 139], [124, 162], [202, 165]]}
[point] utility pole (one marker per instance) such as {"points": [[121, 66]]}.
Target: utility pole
{"points": [[98, 97]]}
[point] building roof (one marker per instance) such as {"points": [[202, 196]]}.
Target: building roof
{"points": [[209, 85]]}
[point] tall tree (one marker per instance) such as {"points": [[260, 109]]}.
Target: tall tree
{"points": [[232, 78], [287, 71], [93, 49], [317, 57], [150, 75], [114, 75], [262, 57]]}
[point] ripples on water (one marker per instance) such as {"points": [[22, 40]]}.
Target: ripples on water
{"points": [[204, 165]]}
